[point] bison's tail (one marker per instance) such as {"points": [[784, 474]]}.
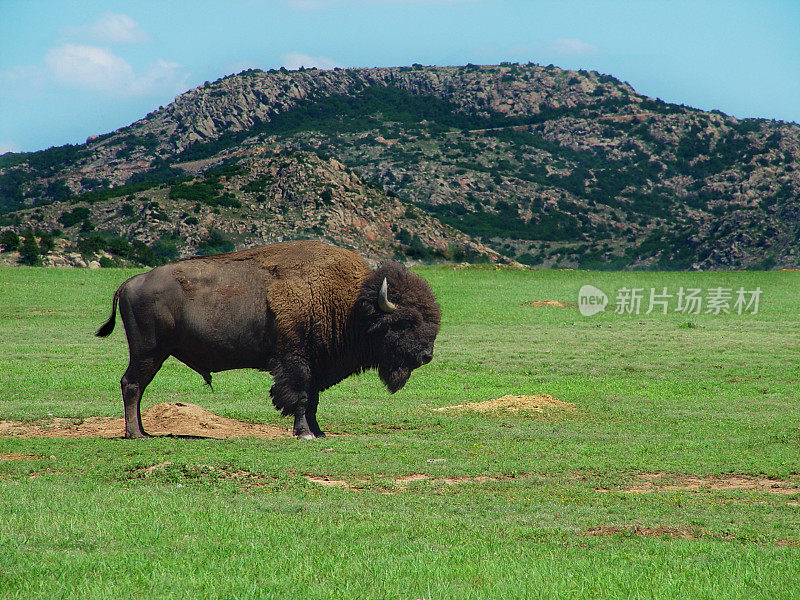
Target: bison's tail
{"points": [[108, 326]]}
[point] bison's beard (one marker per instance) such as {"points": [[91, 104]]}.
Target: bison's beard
{"points": [[394, 376]]}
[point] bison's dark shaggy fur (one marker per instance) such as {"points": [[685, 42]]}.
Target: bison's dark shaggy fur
{"points": [[309, 313]]}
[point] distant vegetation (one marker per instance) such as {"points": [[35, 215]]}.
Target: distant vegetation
{"points": [[506, 222]]}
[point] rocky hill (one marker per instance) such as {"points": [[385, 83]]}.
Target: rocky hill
{"points": [[264, 197], [541, 165]]}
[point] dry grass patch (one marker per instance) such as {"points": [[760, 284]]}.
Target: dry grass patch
{"points": [[537, 403], [541, 303], [679, 532], [17, 456], [401, 483], [685, 533]]}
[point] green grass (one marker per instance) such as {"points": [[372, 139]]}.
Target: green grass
{"points": [[701, 395]]}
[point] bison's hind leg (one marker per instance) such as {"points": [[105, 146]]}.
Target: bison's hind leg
{"points": [[139, 373]]}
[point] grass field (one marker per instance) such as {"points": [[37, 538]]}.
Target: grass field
{"points": [[676, 476]]}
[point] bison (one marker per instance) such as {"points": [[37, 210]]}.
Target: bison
{"points": [[309, 313]]}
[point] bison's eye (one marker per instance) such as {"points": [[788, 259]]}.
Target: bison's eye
{"points": [[403, 324]]}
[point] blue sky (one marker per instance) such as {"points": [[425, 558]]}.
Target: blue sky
{"points": [[70, 69]]}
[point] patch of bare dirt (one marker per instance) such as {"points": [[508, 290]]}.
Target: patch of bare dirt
{"points": [[17, 456], [653, 482], [400, 483], [671, 532], [540, 303], [329, 482], [537, 403], [166, 418]]}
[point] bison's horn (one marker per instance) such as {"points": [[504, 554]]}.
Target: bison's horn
{"points": [[383, 299]]}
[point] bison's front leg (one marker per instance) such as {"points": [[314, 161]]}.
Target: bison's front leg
{"points": [[311, 414], [301, 428], [290, 393]]}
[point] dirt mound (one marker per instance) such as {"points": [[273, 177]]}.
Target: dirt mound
{"points": [[167, 418], [180, 418], [537, 403]]}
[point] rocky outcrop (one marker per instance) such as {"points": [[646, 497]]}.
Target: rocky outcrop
{"points": [[237, 103]]}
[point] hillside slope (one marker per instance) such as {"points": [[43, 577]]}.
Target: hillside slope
{"points": [[265, 197], [546, 166]]}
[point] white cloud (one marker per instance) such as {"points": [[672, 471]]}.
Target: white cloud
{"points": [[295, 60], [573, 46], [110, 28], [101, 70], [89, 66]]}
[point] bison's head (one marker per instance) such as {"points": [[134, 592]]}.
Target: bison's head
{"points": [[401, 317]]}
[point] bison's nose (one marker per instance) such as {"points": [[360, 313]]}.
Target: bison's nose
{"points": [[425, 357]]}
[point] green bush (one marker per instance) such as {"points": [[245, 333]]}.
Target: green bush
{"points": [[119, 247], [46, 243], [9, 240], [208, 193], [528, 259], [92, 244], [73, 217], [165, 250], [214, 243], [29, 253]]}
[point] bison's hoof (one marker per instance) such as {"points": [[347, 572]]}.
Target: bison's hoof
{"points": [[321, 434], [305, 436]]}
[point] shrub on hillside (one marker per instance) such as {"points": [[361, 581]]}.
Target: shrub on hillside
{"points": [[9, 240], [73, 217], [92, 244], [29, 250], [214, 243]]}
